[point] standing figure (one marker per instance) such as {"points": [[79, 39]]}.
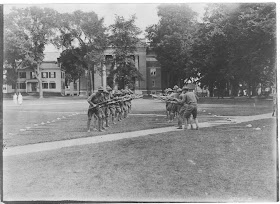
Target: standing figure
{"points": [[189, 107], [111, 105], [95, 100], [173, 104], [168, 104], [117, 99], [125, 103], [182, 107], [15, 98], [20, 99], [130, 93], [191, 99]]}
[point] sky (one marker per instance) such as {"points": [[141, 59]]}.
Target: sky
{"points": [[146, 13]]}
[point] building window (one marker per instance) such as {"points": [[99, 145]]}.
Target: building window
{"points": [[13, 86], [22, 75], [52, 85], [32, 75], [52, 74], [44, 74], [21, 86], [153, 72], [153, 83], [45, 85]]}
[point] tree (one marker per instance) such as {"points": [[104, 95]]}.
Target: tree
{"points": [[37, 27], [254, 46], [172, 39], [210, 50], [15, 47], [72, 64], [84, 37], [124, 40], [235, 45]]}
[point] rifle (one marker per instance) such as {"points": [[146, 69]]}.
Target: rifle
{"points": [[99, 104]]}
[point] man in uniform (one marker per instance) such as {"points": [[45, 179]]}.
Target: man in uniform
{"points": [[183, 108], [190, 99], [174, 107], [111, 106], [117, 98], [130, 93], [168, 104], [95, 109], [105, 108]]}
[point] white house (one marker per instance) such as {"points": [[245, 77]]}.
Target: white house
{"points": [[53, 77]]}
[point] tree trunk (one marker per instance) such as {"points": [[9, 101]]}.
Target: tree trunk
{"points": [[254, 89], [211, 87], [91, 82], [168, 80], [38, 76]]}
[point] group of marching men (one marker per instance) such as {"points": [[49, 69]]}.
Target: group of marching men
{"points": [[105, 104], [182, 103]]}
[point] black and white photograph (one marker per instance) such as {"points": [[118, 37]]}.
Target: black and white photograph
{"points": [[139, 102]]}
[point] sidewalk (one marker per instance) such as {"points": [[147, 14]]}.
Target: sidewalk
{"points": [[112, 137]]}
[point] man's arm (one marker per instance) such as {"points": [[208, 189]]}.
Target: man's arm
{"points": [[181, 101], [89, 100]]}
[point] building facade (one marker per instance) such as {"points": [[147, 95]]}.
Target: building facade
{"points": [[145, 62], [53, 77]]}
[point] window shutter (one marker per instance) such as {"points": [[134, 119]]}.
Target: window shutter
{"points": [[42, 76], [54, 74]]}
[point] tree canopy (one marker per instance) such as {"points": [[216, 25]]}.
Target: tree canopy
{"points": [[172, 39], [124, 40], [31, 28], [234, 44]]}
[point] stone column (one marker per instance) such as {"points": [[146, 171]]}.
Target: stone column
{"points": [[137, 82], [115, 67], [104, 77]]}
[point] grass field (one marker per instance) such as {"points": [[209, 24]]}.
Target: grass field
{"points": [[236, 164], [225, 163], [75, 126]]}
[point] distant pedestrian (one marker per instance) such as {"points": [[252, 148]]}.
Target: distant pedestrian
{"points": [[20, 99], [15, 98]]}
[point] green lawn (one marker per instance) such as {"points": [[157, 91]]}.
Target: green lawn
{"points": [[218, 164]]}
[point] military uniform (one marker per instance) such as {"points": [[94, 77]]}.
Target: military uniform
{"points": [[189, 101], [95, 109], [168, 104], [118, 105], [129, 101], [173, 106], [110, 109], [125, 103]]}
